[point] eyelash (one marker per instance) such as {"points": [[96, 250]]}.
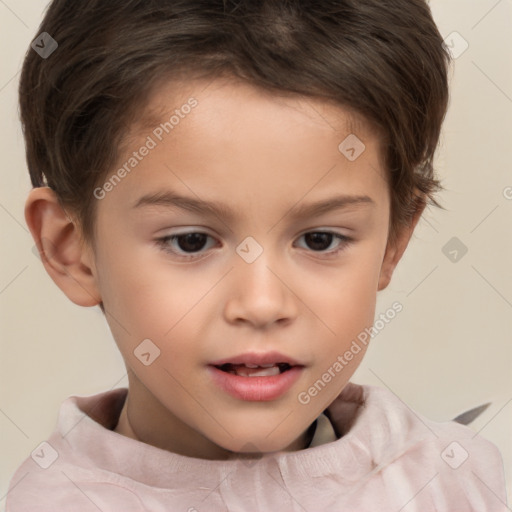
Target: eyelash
{"points": [[163, 244]]}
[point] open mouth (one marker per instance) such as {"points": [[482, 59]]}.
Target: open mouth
{"points": [[270, 379], [253, 370]]}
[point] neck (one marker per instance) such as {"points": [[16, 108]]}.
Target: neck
{"points": [[184, 441]]}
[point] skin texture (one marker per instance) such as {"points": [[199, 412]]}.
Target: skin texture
{"points": [[263, 156]]}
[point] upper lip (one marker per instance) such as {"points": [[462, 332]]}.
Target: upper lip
{"points": [[258, 358]]}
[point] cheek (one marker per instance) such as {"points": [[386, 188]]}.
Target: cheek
{"points": [[160, 302], [151, 301], [346, 294], [130, 291], [344, 301]]}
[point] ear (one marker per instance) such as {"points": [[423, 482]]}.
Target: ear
{"points": [[67, 260], [395, 250]]}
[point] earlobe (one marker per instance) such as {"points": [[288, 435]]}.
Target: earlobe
{"points": [[60, 247], [395, 251]]}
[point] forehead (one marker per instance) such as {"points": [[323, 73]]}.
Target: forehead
{"points": [[221, 95], [244, 145]]}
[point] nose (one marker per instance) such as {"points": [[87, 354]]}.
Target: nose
{"points": [[260, 294]]}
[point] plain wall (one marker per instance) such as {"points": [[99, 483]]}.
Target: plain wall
{"points": [[449, 350]]}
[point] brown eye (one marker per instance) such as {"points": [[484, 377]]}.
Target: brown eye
{"points": [[191, 242], [320, 241], [185, 243]]}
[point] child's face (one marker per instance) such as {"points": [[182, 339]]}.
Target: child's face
{"points": [[203, 299]]}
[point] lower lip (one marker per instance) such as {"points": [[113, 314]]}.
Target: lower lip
{"points": [[256, 389]]}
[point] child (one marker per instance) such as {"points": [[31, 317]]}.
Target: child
{"points": [[261, 129]]}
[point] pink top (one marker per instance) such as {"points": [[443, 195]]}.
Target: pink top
{"points": [[388, 458]]}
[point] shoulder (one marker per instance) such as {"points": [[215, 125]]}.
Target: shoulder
{"points": [[51, 480], [449, 442], [449, 463], [65, 472]]}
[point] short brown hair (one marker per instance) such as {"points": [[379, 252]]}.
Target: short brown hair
{"points": [[385, 59]]}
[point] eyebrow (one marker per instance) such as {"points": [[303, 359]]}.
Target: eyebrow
{"points": [[170, 199]]}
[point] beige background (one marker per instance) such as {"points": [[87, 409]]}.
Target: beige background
{"points": [[449, 350]]}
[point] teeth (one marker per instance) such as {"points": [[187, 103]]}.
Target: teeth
{"points": [[254, 370], [246, 371], [248, 365]]}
